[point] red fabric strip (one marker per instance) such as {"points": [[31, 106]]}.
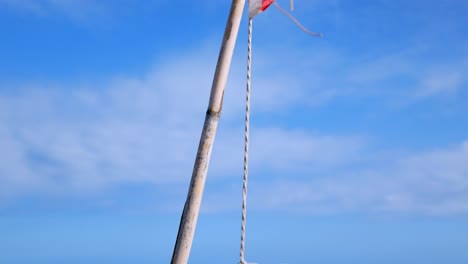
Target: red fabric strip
{"points": [[266, 4]]}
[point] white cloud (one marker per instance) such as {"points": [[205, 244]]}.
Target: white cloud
{"points": [[44, 6], [441, 83], [430, 183], [74, 139], [82, 12], [32, 6], [411, 74]]}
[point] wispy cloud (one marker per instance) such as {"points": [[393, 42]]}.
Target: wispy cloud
{"points": [[403, 76], [430, 183], [442, 83], [80, 11], [76, 138], [32, 6]]}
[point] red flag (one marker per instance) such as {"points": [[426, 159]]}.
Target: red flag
{"points": [[258, 6]]}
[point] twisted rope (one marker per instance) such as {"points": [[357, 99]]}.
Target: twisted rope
{"points": [[247, 123], [246, 148]]}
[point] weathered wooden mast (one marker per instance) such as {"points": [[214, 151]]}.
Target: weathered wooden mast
{"points": [[191, 210]]}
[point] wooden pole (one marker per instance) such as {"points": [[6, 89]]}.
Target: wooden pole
{"points": [[188, 221]]}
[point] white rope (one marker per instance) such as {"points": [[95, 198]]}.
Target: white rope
{"points": [[246, 148], [247, 123]]}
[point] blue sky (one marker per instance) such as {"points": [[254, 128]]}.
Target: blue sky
{"points": [[359, 150]]}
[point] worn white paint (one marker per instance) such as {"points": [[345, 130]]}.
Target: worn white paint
{"points": [[189, 217]]}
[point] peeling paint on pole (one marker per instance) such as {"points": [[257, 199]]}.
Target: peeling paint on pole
{"points": [[191, 210]]}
